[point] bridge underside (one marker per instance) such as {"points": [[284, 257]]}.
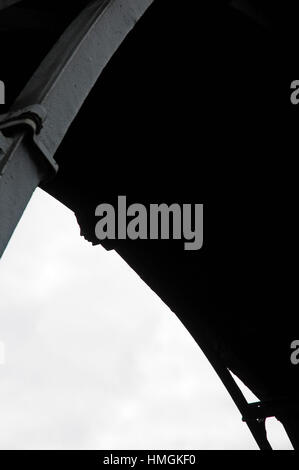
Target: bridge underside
{"points": [[192, 108]]}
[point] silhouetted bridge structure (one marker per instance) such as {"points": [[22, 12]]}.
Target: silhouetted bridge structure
{"points": [[188, 110]]}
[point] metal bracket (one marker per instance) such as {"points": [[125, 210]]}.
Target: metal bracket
{"points": [[32, 118], [260, 411]]}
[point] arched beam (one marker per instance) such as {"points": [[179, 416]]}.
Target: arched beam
{"points": [[52, 98]]}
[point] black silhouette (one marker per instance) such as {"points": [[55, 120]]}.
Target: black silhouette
{"points": [[194, 107]]}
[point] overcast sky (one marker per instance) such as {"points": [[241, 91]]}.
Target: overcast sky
{"points": [[93, 358]]}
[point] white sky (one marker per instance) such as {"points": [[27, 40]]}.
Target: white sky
{"points": [[92, 357]]}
